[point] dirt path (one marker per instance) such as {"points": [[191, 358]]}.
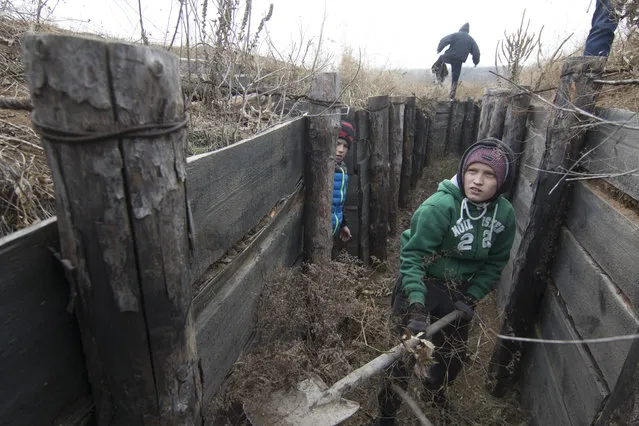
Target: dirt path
{"points": [[332, 319]]}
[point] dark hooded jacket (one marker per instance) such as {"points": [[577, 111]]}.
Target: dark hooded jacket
{"points": [[461, 44]]}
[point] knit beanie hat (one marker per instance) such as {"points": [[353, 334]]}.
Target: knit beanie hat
{"points": [[493, 157], [347, 132]]}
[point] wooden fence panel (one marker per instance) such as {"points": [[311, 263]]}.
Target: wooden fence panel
{"points": [[364, 187], [617, 150], [228, 199], [581, 388], [540, 390], [42, 369], [456, 127], [596, 307], [439, 133], [609, 234], [226, 318]]}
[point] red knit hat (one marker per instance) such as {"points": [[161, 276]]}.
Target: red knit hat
{"points": [[493, 157], [347, 132]]}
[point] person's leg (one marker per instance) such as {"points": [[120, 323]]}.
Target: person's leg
{"points": [[602, 30], [455, 73]]}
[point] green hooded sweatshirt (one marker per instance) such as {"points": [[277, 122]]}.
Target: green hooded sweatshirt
{"points": [[456, 245]]}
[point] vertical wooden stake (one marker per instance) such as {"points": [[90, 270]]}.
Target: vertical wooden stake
{"points": [[113, 125], [515, 128], [396, 143], [364, 193], [469, 127], [322, 131], [407, 152], [378, 113], [493, 113], [564, 140]]}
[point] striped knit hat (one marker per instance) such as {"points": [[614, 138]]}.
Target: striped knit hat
{"points": [[347, 132]]}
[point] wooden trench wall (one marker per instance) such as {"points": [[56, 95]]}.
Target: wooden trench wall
{"points": [[258, 181], [594, 290]]}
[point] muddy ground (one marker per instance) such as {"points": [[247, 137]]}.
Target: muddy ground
{"points": [[328, 320]]}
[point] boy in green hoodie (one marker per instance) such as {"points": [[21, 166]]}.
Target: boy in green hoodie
{"points": [[454, 252]]}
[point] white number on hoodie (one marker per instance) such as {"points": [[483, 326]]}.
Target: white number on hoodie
{"points": [[466, 242]]}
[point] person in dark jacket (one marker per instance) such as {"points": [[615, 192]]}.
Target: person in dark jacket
{"points": [[457, 246], [460, 45], [340, 182]]}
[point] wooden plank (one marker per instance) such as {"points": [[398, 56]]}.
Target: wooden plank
{"points": [[550, 199], [581, 387], [505, 285], [42, 360], [522, 201], [515, 128], [594, 304], [469, 128], [395, 147], [500, 99], [455, 127], [617, 149], [364, 189], [419, 148], [540, 390], [225, 324], [486, 112], [379, 180], [439, 134], [598, 222], [534, 143], [407, 152], [228, 199]]}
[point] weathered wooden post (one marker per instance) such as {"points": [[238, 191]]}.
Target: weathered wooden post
{"points": [[493, 113], [378, 134], [407, 152], [420, 148], [322, 131], [469, 127], [515, 128], [564, 140], [456, 127], [364, 192], [395, 148], [113, 125], [439, 132]]}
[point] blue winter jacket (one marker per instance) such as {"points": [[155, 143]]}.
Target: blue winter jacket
{"points": [[340, 185]]}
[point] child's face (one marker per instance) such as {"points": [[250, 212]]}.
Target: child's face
{"points": [[341, 150], [480, 182]]}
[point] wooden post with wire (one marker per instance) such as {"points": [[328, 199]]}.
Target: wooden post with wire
{"points": [[113, 125], [378, 115], [395, 150], [565, 137], [407, 152], [321, 131]]}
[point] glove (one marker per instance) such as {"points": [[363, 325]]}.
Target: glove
{"points": [[417, 320], [467, 306]]}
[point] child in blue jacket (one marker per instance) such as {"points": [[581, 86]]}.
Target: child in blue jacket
{"points": [[340, 182]]}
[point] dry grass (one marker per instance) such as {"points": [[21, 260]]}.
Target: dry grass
{"points": [[331, 319]]}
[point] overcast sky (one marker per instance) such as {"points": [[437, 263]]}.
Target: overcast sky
{"points": [[397, 34]]}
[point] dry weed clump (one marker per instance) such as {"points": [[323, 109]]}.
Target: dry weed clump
{"points": [[318, 319]]}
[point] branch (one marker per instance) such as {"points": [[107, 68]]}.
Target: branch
{"points": [[618, 82], [412, 405]]}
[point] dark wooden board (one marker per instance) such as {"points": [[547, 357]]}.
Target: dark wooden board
{"points": [[541, 392], [456, 127], [228, 199], [610, 235], [439, 134], [594, 305], [581, 388], [534, 142], [617, 149], [225, 323], [42, 364]]}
